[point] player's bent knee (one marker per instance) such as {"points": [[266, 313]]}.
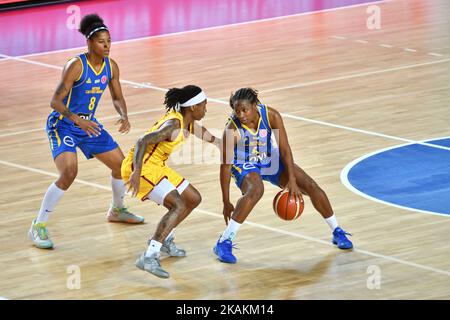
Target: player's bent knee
{"points": [[179, 206], [177, 203], [256, 191], [68, 175], [196, 200]]}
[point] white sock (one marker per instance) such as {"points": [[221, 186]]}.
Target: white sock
{"points": [[51, 198], [153, 247], [118, 189], [231, 231], [170, 234], [332, 222]]}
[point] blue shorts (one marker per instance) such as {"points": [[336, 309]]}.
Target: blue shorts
{"points": [[64, 137], [267, 173]]}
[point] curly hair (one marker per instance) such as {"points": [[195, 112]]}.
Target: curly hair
{"points": [[89, 23]]}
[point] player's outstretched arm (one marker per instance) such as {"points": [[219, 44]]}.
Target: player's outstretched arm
{"points": [[203, 134], [118, 100]]}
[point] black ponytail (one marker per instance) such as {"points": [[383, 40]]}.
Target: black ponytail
{"points": [[176, 95], [248, 94]]}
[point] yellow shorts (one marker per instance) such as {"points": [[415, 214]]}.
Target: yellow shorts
{"points": [[156, 180]]}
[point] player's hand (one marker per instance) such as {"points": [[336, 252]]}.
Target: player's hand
{"points": [[90, 127], [124, 125], [227, 210], [133, 183], [294, 190]]}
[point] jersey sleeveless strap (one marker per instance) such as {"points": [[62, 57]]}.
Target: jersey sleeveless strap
{"points": [[84, 73]]}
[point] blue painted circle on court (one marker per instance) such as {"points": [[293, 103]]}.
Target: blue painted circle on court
{"points": [[412, 176]]}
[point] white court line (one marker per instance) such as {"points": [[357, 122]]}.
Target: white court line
{"points": [[386, 46], [372, 133], [355, 75], [15, 133], [339, 37], [32, 62], [344, 179], [5, 59], [217, 27], [145, 85], [253, 224]]}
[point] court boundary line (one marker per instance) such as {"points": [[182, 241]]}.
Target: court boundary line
{"points": [[254, 224], [217, 27], [373, 133], [355, 75], [346, 182]]}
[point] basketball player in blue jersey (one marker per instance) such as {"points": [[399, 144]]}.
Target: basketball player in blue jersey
{"points": [[73, 124], [250, 155]]}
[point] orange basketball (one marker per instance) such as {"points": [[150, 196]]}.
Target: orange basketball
{"points": [[287, 209]]}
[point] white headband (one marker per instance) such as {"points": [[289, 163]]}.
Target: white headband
{"points": [[95, 30], [191, 102]]}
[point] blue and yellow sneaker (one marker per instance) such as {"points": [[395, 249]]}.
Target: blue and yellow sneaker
{"points": [[116, 214], [340, 239], [38, 233], [223, 250]]}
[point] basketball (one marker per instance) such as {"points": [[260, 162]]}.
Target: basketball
{"points": [[287, 208]]}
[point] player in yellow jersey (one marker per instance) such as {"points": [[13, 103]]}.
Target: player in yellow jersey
{"points": [[149, 178]]}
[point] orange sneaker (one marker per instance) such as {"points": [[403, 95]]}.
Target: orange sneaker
{"points": [[116, 214]]}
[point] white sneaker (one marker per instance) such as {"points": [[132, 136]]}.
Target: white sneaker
{"points": [[169, 247], [151, 264], [38, 233]]}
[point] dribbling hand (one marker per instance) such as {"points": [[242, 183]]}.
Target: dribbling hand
{"points": [[294, 190]]}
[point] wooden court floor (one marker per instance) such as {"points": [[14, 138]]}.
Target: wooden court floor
{"points": [[320, 70]]}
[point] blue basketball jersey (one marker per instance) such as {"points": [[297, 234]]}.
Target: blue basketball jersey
{"points": [[86, 92], [254, 146]]}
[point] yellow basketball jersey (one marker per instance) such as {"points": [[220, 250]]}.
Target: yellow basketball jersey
{"points": [[158, 153]]}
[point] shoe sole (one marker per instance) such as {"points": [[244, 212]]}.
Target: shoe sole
{"points": [[141, 267], [168, 254], [38, 246], [335, 243], [125, 221]]}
